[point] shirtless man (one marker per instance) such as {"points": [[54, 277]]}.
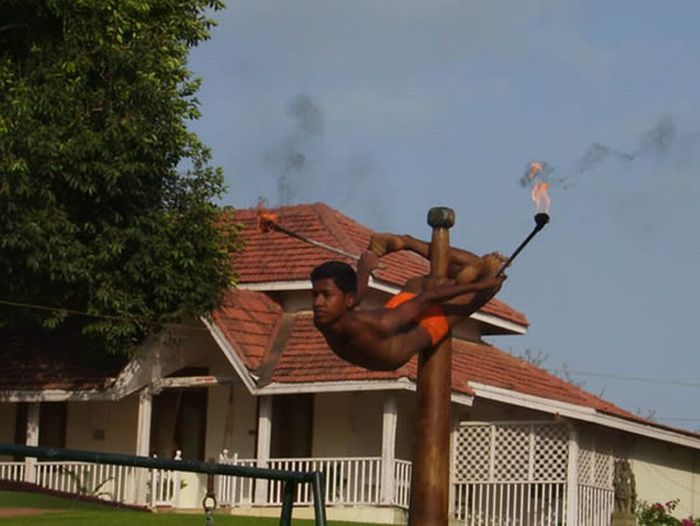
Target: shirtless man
{"points": [[418, 318]]}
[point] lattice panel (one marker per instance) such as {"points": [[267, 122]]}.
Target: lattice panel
{"points": [[473, 453], [603, 470], [510, 462], [595, 467], [585, 466], [551, 454], [511, 453]]}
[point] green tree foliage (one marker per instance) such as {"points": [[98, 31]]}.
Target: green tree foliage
{"points": [[106, 199]]}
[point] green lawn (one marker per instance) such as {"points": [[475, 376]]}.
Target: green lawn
{"points": [[76, 512]]}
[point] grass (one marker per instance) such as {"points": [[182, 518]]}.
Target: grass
{"points": [[75, 512]]}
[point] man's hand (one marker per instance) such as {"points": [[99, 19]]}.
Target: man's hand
{"points": [[368, 261], [384, 243]]}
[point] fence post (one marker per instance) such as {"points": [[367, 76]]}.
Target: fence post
{"points": [[572, 479], [263, 446], [143, 439], [154, 485], [209, 502], [32, 439], [176, 482], [389, 420], [287, 503], [319, 499]]}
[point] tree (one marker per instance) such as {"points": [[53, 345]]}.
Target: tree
{"points": [[107, 200]]}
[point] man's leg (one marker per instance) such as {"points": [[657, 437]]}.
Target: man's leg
{"points": [[382, 244], [461, 307], [464, 266]]}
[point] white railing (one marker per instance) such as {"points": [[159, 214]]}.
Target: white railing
{"points": [[165, 485], [595, 505], [105, 481], [402, 483], [13, 471], [234, 491], [348, 481], [510, 503]]}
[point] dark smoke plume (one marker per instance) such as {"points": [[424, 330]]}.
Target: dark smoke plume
{"points": [[291, 161], [654, 143], [658, 140]]}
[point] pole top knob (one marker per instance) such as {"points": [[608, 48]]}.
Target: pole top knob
{"points": [[441, 217]]}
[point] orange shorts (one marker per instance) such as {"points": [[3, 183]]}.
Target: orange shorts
{"points": [[432, 320]]}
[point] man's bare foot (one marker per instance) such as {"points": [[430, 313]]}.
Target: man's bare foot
{"points": [[492, 263], [487, 266], [384, 243]]}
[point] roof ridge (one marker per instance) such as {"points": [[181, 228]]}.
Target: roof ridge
{"points": [[277, 344], [570, 385], [328, 217]]}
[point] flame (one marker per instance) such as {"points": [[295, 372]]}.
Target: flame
{"points": [[266, 220], [539, 191], [540, 196], [535, 168]]}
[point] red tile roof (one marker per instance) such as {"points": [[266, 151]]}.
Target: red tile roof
{"points": [[62, 361], [488, 365], [250, 321], [306, 358], [274, 256]]}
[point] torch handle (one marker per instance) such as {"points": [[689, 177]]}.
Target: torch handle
{"points": [[517, 251], [291, 233]]}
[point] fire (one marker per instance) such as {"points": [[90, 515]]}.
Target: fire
{"points": [[540, 196], [539, 191], [535, 168], [266, 220]]}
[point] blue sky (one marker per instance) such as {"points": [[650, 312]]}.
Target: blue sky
{"points": [[383, 109]]}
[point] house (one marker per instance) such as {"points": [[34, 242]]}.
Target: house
{"points": [[255, 384]]}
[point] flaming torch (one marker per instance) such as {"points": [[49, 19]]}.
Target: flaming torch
{"points": [[267, 221], [541, 199]]}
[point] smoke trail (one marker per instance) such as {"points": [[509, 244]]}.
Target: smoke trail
{"points": [[658, 140], [654, 143], [292, 160]]}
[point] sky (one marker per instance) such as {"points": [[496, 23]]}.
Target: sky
{"points": [[383, 109]]}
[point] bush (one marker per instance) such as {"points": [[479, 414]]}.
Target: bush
{"points": [[659, 514]]}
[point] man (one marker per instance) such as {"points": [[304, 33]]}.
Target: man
{"points": [[415, 319]]}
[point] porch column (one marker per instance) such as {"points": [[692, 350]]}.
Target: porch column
{"points": [[572, 479], [143, 444], [389, 421], [32, 439], [263, 445], [143, 425]]}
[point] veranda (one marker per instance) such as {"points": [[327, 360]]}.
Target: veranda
{"points": [[508, 473]]}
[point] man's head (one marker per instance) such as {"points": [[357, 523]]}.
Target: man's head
{"points": [[334, 287]]}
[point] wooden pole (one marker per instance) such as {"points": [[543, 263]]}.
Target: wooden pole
{"points": [[431, 458]]}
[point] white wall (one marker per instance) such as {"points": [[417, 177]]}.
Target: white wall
{"points": [[665, 472], [231, 409], [231, 421], [347, 424], [103, 426], [350, 424]]}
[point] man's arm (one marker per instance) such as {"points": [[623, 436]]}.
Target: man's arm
{"points": [[448, 291], [367, 263]]}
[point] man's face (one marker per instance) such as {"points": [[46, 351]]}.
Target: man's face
{"points": [[329, 302]]}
